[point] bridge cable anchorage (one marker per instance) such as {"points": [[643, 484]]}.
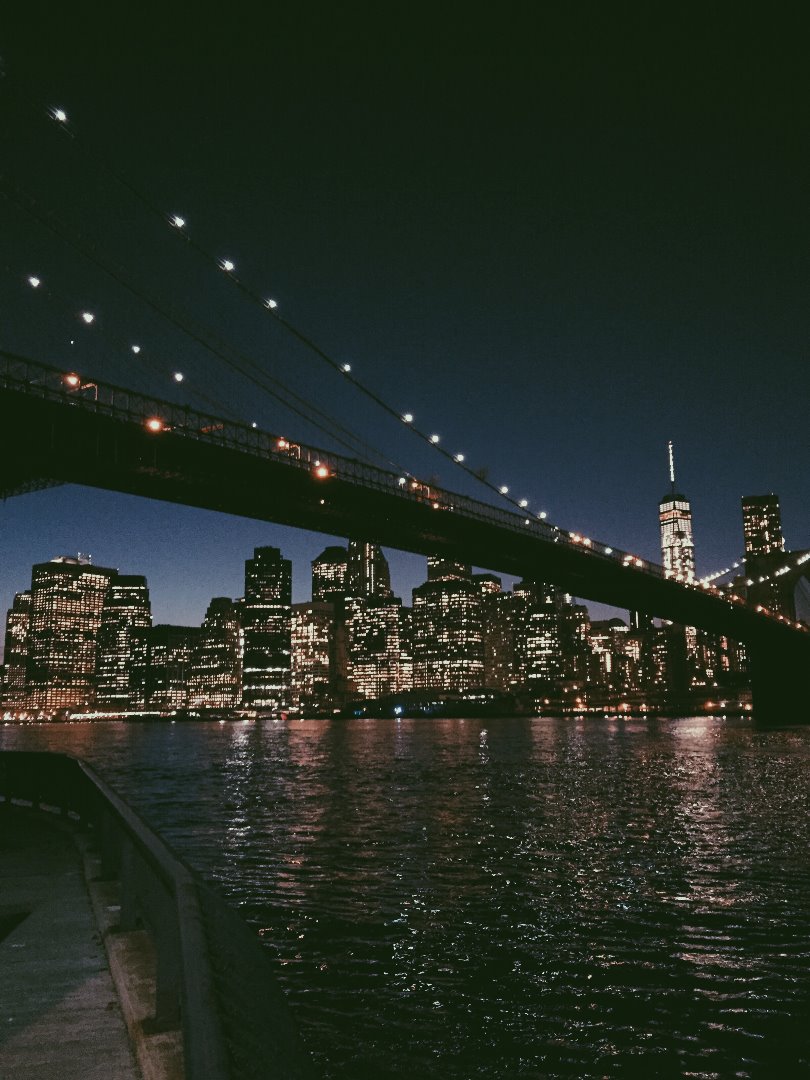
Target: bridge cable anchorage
{"points": [[179, 224], [351, 441]]}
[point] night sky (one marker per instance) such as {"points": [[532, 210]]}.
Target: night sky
{"points": [[558, 239]]}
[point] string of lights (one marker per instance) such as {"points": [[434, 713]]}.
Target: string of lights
{"points": [[119, 347], [270, 305], [236, 361]]}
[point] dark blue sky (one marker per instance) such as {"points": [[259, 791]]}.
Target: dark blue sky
{"points": [[559, 240]]}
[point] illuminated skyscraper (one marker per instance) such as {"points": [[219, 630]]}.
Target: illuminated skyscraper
{"points": [[16, 651], [67, 598], [677, 546], [762, 525], [314, 662], [126, 609], [537, 628], [266, 627], [374, 635], [448, 636], [367, 572], [163, 664], [329, 574], [215, 675]]}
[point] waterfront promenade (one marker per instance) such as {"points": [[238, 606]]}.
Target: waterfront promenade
{"points": [[61, 1016]]}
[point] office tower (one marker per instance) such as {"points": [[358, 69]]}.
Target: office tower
{"points": [[374, 640], [215, 675], [162, 664], [314, 656], [67, 598], [329, 574], [762, 525], [441, 569], [367, 572], [448, 640], [126, 609], [677, 546], [16, 651], [538, 663], [266, 629]]}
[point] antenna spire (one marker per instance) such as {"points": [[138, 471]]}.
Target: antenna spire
{"points": [[671, 466]]}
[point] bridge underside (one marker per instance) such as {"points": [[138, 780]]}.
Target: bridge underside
{"points": [[44, 441]]}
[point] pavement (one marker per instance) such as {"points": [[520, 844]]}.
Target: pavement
{"points": [[60, 1014]]}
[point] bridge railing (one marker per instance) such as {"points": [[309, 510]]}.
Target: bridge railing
{"points": [[213, 979], [160, 417]]}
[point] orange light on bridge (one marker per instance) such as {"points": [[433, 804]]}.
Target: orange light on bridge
{"points": [[282, 444], [321, 471], [72, 380], [154, 424]]}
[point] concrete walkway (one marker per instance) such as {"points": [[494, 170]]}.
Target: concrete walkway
{"points": [[60, 1017]]}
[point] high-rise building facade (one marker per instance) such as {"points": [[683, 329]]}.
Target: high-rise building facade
{"points": [[126, 610], [16, 652], [538, 660], [67, 599], [215, 670], [375, 647], [266, 613], [330, 574], [162, 664], [367, 571], [677, 545], [448, 629], [314, 662], [762, 525]]}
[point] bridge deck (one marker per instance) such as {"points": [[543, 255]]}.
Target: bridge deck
{"points": [[59, 1012]]}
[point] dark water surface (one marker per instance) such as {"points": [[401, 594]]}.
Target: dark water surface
{"points": [[509, 898]]}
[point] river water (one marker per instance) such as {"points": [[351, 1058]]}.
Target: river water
{"points": [[501, 898]]}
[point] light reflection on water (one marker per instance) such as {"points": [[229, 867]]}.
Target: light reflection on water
{"points": [[509, 898]]}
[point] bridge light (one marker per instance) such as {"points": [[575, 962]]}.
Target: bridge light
{"points": [[608, 550], [72, 380], [254, 424], [408, 418], [227, 265], [270, 303], [346, 368], [524, 502], [177, 221], [542, 515], [459, 458], [282, 444], [88, 317], [527, 521], [34, 282], [434, 439], [178, 376], [321, 471], [504, 490], [403, 480], [154, 424], [136, 349], [60, 115]]}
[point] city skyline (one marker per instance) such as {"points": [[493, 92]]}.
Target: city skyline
{"points": [[555, 292]]}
